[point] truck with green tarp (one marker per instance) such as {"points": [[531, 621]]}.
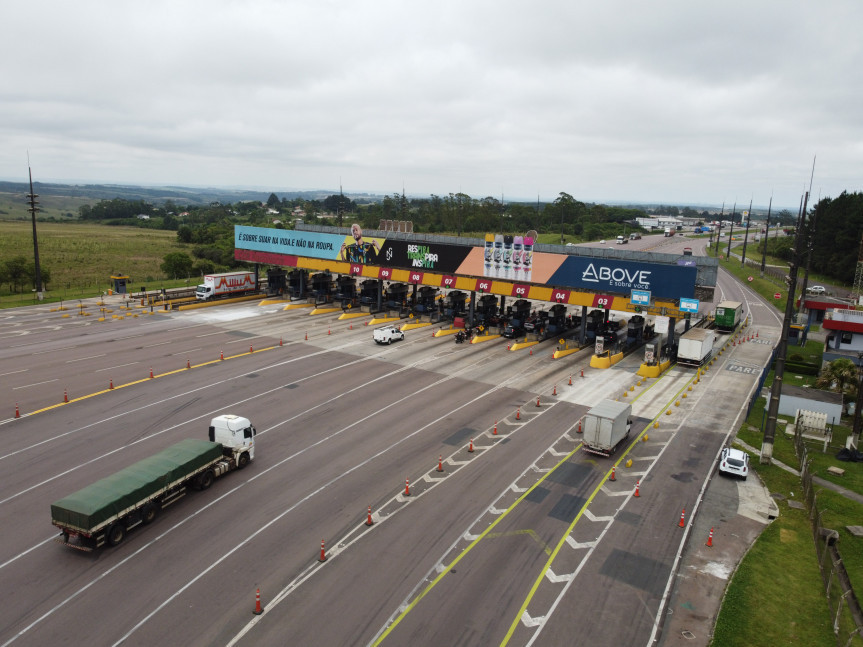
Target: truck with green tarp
{"points": [[106, 510], [727, 315]]}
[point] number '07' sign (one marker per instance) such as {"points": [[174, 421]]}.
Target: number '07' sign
{"points": [[448, 281], [602, 301]]}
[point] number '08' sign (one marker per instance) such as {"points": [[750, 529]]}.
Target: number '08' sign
{"points": [[415, 277]]}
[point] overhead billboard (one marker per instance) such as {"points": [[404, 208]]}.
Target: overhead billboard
{"points": [[613, 275]]}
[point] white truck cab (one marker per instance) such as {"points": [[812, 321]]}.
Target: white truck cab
{"points": [[234, 432]]}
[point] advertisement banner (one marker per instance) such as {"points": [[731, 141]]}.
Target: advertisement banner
{"points": [[422, 256], [618, 276]]}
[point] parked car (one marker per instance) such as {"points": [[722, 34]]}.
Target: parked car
{"points": [[816, 289], [734, 462], [387, 335]]}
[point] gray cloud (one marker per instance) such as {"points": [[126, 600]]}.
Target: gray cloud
{"points": [[664, 101]]}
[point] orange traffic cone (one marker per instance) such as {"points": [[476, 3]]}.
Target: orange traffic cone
{"points": [[570, 379], [582, 372], [555, 390], [323, 557], [307, 336], [18, 414], [440, 463], [637, 483], [329, 332], [531, 352], [351, 327], [709, 543], [65, 395], [280, 341], [537, 401], [221, 355], [494, 433], [469, 449], [111, 384], [518, 414], [369, 521], [251, 350], [612, 477], [407, 487], [188, 363], [682, 523], [258, 610], [151, 372], [579, 426]]}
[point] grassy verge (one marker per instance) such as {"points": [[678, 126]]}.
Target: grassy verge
{"points": [[777, 594], [81, 258]]}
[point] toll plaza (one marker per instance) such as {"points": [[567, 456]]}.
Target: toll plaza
{"points": [[499, 282]]}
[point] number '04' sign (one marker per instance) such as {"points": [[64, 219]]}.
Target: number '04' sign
{"points": [[560, 296], [602, 301]]}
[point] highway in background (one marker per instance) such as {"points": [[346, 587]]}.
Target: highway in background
{"points": [[524, 539]]}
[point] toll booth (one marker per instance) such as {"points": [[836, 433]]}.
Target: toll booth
{"points": [[425, 301], [277, 281], [516, 315], [396, 297], [559, 324], [346, 290], [369, 293], [454, 305], [323, 287], [594, 325], [298, 282], [486, 311], [634, 331], [120, 282]]}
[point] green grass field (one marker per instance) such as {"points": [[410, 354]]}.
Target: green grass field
{"points": [[82, 257]]}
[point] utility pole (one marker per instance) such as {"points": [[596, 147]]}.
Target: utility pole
{"points": [[31, 199], [782, 349], [719, 229], [766, 236], [746, 235], [731, 231]]}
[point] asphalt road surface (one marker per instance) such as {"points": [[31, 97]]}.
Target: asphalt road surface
{"points": [[523, 540]]}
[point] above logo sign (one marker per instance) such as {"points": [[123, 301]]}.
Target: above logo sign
{"points": [[624, 277], [689, 305], [640, 297]]}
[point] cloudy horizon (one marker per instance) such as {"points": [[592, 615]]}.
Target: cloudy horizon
{"points": [[667, 102]]}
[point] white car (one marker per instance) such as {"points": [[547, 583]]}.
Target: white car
{"points": [[816, 289], [734, 462], [387, 335]]}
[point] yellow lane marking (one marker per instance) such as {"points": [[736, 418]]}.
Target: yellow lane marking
{"points": [[146, 379], [470, 547], [550, 561]]}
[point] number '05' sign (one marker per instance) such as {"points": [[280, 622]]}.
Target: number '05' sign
{"points": [[519, 290], [602, 301]]}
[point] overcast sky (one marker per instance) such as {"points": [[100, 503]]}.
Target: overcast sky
{"points": [[661, 101]]}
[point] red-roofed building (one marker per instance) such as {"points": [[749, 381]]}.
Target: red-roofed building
{"points": [[844, 328]]}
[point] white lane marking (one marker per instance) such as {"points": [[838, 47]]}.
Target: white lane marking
{"points": [[208, 334], [23, 370], [27, 386], [161, 343], [185, 352], [111, 368], [53, 350], [81, 359]]}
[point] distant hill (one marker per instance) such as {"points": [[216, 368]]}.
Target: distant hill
{"points": [[156, 195]]}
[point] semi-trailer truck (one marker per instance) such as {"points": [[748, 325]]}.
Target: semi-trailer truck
{"points": [[695, 347], [227, 284], [102, 513], [606, 426]]}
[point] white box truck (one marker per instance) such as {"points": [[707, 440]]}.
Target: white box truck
{"points": [[227, 284], [695, 347], [605, 426]]}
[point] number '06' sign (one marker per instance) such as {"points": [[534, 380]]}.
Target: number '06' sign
{"points": [[483, 286], [602, 301], [519, 290]]}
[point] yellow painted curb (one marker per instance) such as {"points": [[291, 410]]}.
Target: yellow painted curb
{"points": [[523, 344], [600, 362], [563, 353], [380, 320], [324, 311], [269, 302], [296, 306], [353, 315], [414, 326], [443, 332], [481, 338]]}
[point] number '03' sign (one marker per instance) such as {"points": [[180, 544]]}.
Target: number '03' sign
{"points": [[602, 301]]}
